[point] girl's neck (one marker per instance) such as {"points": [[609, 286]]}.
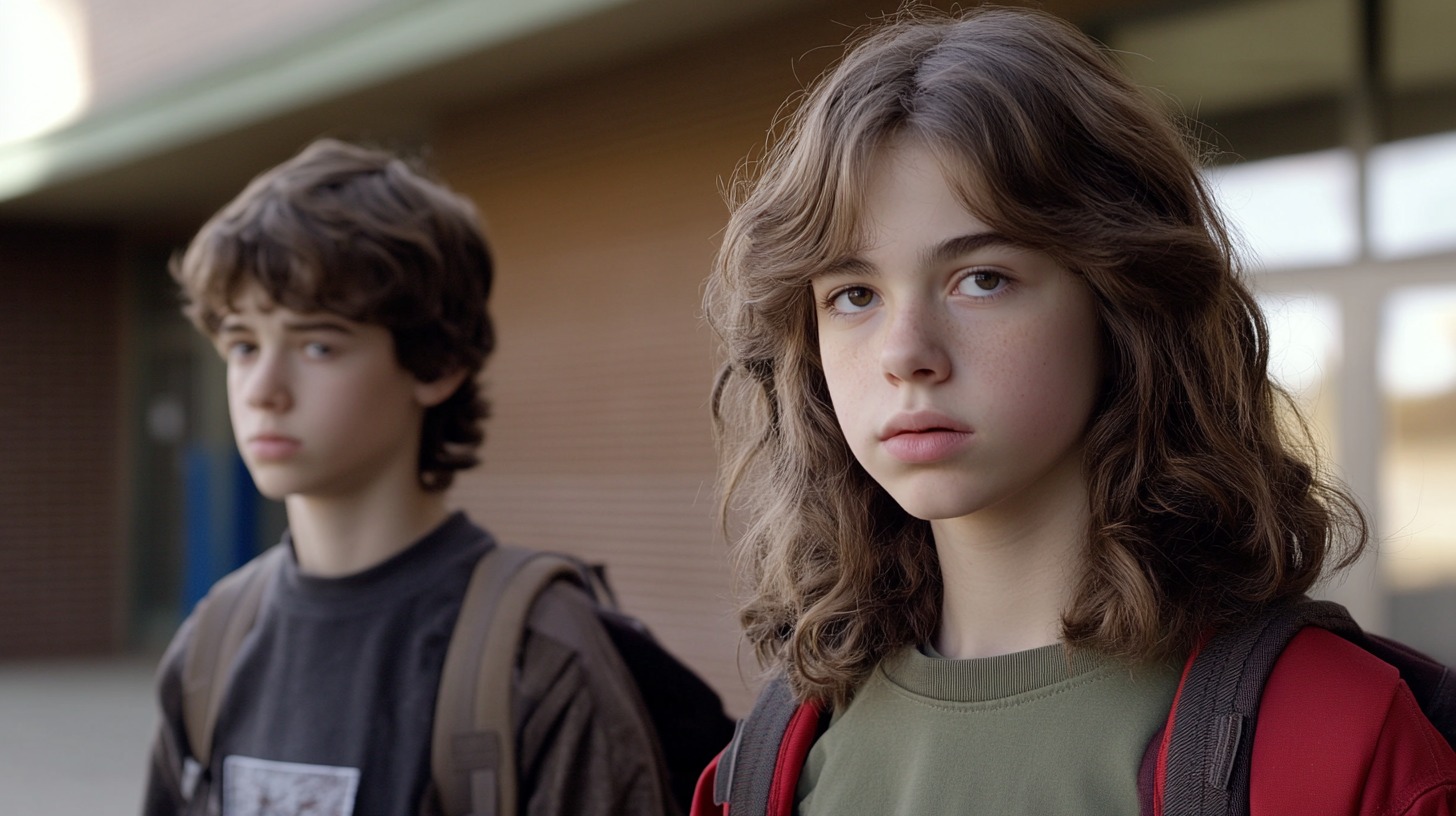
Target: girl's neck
{"points": [[337, 536], [1009, 573]]}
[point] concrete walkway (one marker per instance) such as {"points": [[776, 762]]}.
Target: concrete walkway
{"points": [[74, 736]]}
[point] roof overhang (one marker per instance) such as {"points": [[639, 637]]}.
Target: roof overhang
{"points": [[180, 151]]}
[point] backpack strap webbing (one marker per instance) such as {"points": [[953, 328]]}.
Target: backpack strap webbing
{"points": [[223, 618], [472, 753], [746, 767], [1211, 747]]}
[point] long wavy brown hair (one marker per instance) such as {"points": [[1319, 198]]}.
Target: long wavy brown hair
{"points": [[1206, 502]]}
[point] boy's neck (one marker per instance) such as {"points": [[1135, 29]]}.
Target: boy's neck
{"points": [[1008, 577], [338, 536]]}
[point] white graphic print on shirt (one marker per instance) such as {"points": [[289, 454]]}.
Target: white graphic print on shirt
{"points": [[261, 787]]}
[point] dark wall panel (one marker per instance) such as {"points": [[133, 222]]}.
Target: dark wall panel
{"points": [[60, 541]]}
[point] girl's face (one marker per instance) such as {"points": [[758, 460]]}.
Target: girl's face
{"points": [[963, 369]]}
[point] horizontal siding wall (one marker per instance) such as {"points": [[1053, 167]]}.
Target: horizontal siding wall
{"points": [[603, 202], [61, 547]]}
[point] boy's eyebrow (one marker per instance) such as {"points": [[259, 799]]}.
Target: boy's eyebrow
{"points": [[308, 324], [234, 324]]}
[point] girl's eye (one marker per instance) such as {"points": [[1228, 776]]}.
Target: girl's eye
{"points": [[318, 351], [853, 299], [982, 284]]}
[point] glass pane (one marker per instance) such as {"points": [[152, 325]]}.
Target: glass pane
{"points": [[1304, 358], [1418, 490], [1413, 196], [1292, 211]]}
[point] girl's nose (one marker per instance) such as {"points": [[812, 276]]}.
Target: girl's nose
{"points": [[914, 348]]}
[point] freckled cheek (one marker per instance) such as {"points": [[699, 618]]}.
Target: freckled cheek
{"points": [[1043, 377], [848, 389]]}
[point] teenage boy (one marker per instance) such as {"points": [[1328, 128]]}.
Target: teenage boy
{"points": [[347, 295]]}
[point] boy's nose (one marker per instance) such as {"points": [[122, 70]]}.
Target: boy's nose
{"points": [[914, 349], [267, 384]]}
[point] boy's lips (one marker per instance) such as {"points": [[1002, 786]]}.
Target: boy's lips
{"points": [[272, 447], [923, 436]]}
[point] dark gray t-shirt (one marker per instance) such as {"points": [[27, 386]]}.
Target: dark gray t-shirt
{"points": [[339, 676]]}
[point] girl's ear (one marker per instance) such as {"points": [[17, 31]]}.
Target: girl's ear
{"points": [[432, 393]]}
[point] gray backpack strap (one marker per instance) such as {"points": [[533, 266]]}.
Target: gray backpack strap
{"points": [[1211, 749], [223, 618], [472, 756], [746, 767]]}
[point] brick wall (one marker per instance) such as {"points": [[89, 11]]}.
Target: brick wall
{"points": [[602, 199], [61, 546]]}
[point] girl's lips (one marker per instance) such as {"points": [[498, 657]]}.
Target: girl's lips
{"points": [[920, 447], [273, 448]]}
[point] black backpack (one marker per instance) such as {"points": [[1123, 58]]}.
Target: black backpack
{"points": [[474, 772]]}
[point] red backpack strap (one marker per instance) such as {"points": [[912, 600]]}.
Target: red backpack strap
{"points": [[1205, 761], [757, 774], [1154, 769], [703, 800], [799, 737]]}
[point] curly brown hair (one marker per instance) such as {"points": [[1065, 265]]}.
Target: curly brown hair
{"points": [[1204, 505], [363, 234]]}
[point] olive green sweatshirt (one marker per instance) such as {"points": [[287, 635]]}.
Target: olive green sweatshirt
{"points": [[1025, 733]]}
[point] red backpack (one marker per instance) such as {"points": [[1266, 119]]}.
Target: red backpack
{"points": [[1200, 762]]}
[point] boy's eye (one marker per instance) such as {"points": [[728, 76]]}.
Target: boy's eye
{"points": [[238, 349], [853, 299], [318, 351], [982, 284]]}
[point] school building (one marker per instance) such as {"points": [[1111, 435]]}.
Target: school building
{"points": [[597, 137]]}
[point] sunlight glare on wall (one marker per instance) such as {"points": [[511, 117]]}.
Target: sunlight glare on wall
{"points": [[44, 71]]}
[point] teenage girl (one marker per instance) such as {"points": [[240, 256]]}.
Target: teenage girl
{"points": [[998, 427]]}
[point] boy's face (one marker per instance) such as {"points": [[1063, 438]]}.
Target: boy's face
{"points": [[963, 370], [320, 406]]}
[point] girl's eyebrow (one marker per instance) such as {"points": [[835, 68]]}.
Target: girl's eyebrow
{"points": [[846, 266], [942, 253], [953, 248]]}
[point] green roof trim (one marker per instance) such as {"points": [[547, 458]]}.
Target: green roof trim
{"points": [[382, 43]]}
